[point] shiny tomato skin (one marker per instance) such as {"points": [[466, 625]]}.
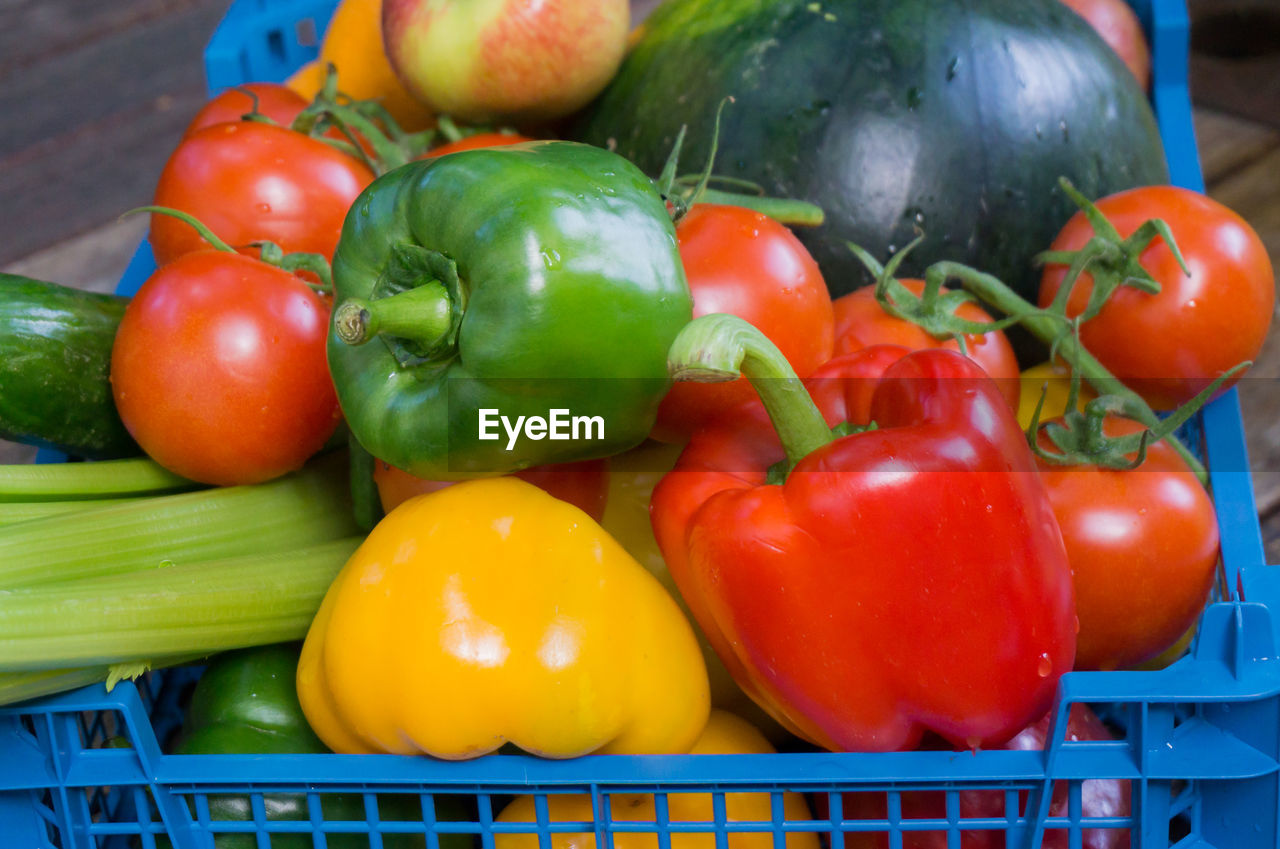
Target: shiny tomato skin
{"points": [[741, 262], [1169, 346], [477, 141], [584, 484], [1118, 25], [218, 369], [1143, 549], [278, 102], [861, 322], [275, 101], [249, 182]]}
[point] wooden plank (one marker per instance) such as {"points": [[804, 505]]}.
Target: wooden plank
{"points": [[93, 261], [1252, 188], [82, 154], [1260, 405], [1235, 57], [66, 190], [1228, 143], [13, 452], [42, 31], [113, 75], [1271, 538]]}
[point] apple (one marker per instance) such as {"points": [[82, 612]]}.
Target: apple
{"points": [[524, 61]]}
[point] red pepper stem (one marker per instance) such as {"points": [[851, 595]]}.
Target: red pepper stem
{"points": [[422, 315], [1050, 330], [718, 348]]}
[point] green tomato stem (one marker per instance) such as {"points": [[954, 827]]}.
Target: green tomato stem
{"points": [[718, 348], [422, 314], [1049, 330], [793, 213], [199, 226]]}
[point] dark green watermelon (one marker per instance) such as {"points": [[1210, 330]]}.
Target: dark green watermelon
{"points": [[950, 117]]}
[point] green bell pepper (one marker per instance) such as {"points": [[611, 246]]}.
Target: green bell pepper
{"points": [[521, 281], [246, 703]]}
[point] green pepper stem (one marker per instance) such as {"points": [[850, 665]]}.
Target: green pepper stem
{"points": [[719, 347], [1048, 329], [422, 314]]}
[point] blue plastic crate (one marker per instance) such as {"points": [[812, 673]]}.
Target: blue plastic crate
{"points": [[1201, 738]]}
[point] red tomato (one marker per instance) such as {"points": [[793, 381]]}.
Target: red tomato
{"points": [[251, 182], [861, 322], [1098, 798], [585, 485], [1143, 549], [219, 369], [1169, 346], [744, 263], [478, 140], [279, 103], [1118, 25]]}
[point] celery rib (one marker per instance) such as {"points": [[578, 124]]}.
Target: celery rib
{"points": [[21, 686], [78, 481], [13, 512], [308, 507], [201, 607]]}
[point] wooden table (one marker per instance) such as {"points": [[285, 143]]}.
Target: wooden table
{"points": [[96, 95]]}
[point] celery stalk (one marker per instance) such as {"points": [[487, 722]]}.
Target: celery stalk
{"points": [[194, 608], [305, 508], [20, 686], [13, 512], [103, 479]]}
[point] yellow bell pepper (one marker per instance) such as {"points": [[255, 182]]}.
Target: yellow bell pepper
{"points": [[724, 734], [353, 44], [1054, 381], [632, 477], [490, 612]]}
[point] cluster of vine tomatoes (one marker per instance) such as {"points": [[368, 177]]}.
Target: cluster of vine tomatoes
{"points": [[1142, 542], [219, 369]]}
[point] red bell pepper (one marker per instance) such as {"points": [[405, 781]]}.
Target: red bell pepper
{"points": [[902, 579]]}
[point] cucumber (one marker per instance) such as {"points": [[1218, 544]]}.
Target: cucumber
{"points": [[55, 355]]}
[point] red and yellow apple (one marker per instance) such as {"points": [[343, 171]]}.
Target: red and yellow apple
{"points": [[505, 60]]}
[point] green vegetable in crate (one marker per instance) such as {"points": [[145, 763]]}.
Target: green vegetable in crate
{"points": [[486, 291], [55, 346], [246, 703], [892, 115]]}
